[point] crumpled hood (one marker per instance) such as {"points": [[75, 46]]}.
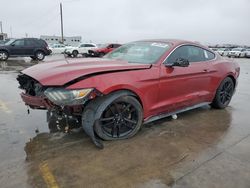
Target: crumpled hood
{"points": [[60, 72]]}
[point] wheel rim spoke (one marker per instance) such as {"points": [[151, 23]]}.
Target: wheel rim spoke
{"points": [[130, 121], [108, 125], [226, 92], [107, 119], [126, 108]]}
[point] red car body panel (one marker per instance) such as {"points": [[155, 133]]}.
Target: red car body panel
{"points": [[104, 50], [160, 89], [61, 72]]}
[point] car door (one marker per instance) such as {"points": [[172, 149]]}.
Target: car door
{"points": [[90, 47], [83, 49], [17, 47], [61, 49], [181, 87], [29, 47], [56, 49]]}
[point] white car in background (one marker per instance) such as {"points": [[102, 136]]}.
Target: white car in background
{"points": [[223, 51], [58, 48], [247, 53], [81, 49], [237, 52]]}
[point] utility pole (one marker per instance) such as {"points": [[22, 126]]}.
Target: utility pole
{"points": [[61, 22], [1, 25], [10, 32]]}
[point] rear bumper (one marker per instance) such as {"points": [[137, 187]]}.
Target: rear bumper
{"points": [[36, 102]]}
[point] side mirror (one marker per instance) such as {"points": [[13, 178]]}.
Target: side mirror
{"points": [[179, 62], [13, 44]]}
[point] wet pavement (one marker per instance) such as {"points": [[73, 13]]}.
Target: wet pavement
{"points": [[202, 148]]}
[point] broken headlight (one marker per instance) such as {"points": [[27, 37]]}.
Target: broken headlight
{"points": [[62, 97]]}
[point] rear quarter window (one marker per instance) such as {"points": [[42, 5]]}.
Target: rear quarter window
{"points": [[208, 55]]}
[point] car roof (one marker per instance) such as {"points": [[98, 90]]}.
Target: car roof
{"points": [[87, 43], [172, 41], [176, 42]]}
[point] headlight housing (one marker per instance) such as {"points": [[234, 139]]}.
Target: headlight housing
{"points": [[63, 97]]}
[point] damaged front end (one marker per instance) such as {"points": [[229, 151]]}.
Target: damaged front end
{"points": [[64, 107]]}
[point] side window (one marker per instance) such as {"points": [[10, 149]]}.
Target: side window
{"points": [[209, 55], [19, 42], [30, 43], [191, 53], [89, 45], [195, 54], [181, 52], [83, 45]]}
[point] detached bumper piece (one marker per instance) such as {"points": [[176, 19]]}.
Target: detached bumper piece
{"points": [[35, 102]]}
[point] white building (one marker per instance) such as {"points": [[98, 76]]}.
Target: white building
{"points": [[3, 36], [73, 41]]}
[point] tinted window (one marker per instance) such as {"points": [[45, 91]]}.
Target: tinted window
{"points": [[30, 43], [19, 42], [89, 45], [191, 53]]}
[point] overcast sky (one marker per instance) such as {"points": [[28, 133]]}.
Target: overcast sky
{"points": [[207, 21]]}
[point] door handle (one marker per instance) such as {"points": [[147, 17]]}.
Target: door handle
{"points": [[205, 70]]}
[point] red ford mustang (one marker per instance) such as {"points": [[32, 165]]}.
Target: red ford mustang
{"points": [[139, 82]]}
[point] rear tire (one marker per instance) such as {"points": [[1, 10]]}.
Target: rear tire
{"points": [[39, 55], [4, 56], [223, 94], [75, 53]]}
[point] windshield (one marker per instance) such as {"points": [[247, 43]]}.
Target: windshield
{"points": [[9, 42], [140, 52]]}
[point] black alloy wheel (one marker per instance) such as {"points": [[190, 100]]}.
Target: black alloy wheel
{"points": [[120, 119], [224, 93]]}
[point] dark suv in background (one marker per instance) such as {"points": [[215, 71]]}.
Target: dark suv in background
{"points": [[35, 48]]}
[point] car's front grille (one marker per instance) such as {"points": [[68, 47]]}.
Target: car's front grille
{"points": [[30, 85]]}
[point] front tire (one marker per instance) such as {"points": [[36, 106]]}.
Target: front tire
{"points": [[121, 118], [223, 94], [4, 56]]}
